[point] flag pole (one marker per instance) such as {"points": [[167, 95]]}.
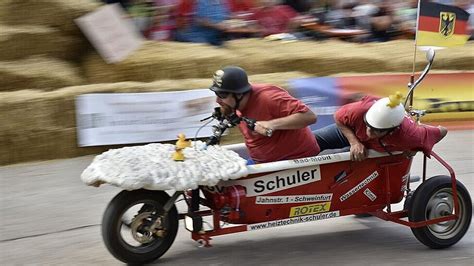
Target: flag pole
{"points": [[412, 78]]}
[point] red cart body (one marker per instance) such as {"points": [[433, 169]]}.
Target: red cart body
{"points": [[336, 189]]}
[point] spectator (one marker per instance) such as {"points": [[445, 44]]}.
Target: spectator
{"points": [[273, 18], [341, 18], [206, 23], [300, 6], [241, 9], [405, 19], [163, 23], [362, 14], [381, 23], [468, 5], [241, 6], [142, 13], [183, 14]]}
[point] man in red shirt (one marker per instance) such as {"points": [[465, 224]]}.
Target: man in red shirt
{"points": [[236, 6], [281, 130], [274, 19], [378, 124]]}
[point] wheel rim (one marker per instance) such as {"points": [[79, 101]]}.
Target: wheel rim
{"points": [[442, 204], [135, 227]]}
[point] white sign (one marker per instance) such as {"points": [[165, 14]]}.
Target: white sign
{"points": [[111, 33], [370, 194], [359, 186], [273, 182], [294, 220], [120, 118], [293, 199]]}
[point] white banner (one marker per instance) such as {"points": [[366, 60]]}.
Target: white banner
{"points": [[120, 118], [111, 33]]}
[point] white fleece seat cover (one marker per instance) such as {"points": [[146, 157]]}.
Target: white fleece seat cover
{"points": [[152, 167]]}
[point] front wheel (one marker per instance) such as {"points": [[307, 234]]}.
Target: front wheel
{"points": [[135, 228], [434, 199]]}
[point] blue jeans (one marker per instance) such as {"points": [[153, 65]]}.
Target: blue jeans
{"points": [[330, 137]]}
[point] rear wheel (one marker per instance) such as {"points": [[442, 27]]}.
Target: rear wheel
{"points": [[135, 228], [434, 199]]}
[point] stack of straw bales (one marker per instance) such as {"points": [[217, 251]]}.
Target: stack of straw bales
{"points": [[176, 60], [38, 72], [41, 125]]}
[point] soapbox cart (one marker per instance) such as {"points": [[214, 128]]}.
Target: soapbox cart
{"points": [[139, 226]]}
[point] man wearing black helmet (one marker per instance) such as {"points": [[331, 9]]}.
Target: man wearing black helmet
{"points": [[281, 130]]}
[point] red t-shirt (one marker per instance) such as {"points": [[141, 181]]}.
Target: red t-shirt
{"points": [[268, 102], [240, 5], [185, 7], [184, 12], [409, 136], [275, 19]]}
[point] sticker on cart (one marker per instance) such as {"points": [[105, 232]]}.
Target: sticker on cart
{"points": [[293, 199], [310, 209], [370, 194], [273, 182], [292, 220], [359, 186]]}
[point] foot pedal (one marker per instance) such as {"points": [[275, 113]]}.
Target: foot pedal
{"points": [[193, 222]]}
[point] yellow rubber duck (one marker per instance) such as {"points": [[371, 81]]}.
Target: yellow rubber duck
{"points": [[395, 99], [180, 145]]}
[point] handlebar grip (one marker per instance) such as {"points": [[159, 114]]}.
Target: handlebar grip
{"points": [[250, 123]]}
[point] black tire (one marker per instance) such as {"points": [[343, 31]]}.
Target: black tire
{"points": [[432, 199], [112, 226]]}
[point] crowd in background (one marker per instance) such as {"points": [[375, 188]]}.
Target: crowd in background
{"points": [[215, 21]]}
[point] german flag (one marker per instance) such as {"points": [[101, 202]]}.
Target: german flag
{"points": [[441, 25]]}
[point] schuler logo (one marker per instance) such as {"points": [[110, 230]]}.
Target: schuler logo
{"points": [[286, 179], [273, 182], [277, 181]]}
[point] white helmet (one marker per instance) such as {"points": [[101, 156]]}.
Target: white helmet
{"points": [[386, 113]]}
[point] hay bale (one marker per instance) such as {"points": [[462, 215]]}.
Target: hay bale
{"points": [[48, 131], [41, 144], [52, 13], [18, 42], [37, 73], [177, 60], [317, 58], [159, 60], [399, 56], [57, 108]]}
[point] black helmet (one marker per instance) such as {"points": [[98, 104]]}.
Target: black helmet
{"points": [[231, 79]]}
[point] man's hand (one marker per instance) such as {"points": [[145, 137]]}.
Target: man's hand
{"points": [[358, 152], [263, 127]]}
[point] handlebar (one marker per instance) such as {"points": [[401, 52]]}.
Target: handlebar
{"points": [[225, 122]]}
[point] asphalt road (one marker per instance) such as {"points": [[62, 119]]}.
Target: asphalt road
{"points": [[49, 217]]}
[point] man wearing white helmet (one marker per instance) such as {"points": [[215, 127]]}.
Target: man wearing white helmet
{"points": [[378, 124]]}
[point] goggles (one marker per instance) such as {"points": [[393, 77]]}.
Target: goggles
{"points": [[222, 94]]}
